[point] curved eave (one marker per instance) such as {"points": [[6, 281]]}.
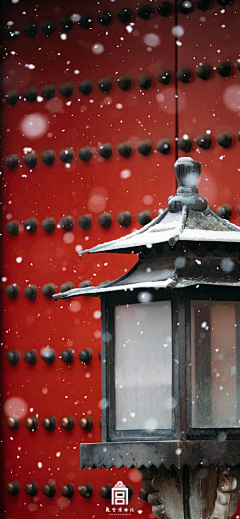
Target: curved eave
{"points": [[124, 244], [98, 291], [185, 225], [168, 283], [94, 291], [168, 453], [137, 245]]}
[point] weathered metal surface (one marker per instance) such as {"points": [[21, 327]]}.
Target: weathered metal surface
{"points": [[199, 493], [168, 498], [167, 453]]}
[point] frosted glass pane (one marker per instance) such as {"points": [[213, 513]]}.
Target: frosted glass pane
{"points": [[213, 343], [143, 366]]}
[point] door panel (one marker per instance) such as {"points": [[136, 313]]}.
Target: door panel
{"points": [[117, 184]]}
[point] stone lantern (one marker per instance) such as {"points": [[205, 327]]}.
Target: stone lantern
{"points": [[171, 358]]}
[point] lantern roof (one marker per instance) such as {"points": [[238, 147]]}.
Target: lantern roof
{"points": [[187, 218], [167, 241], [184, 225]]}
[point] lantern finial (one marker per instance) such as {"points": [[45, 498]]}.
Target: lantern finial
{"points": [[187, 171]]}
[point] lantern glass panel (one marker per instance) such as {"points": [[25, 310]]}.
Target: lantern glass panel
{"points": [[143, 366], [214, 355]]}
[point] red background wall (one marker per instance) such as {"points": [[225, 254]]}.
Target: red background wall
{"points": [[96, 187]]}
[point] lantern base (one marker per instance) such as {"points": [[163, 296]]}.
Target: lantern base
{"points": [[168, 453], [207, 492]]}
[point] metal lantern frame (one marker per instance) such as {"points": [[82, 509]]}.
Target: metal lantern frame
{"points": [[181, 364], [188, 229]]}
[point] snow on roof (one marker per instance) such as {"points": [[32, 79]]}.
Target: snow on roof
{"points": [[185, 225], [188, 218]]}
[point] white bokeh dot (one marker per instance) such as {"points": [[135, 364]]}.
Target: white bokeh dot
{"points": [[231, 98], [75, 307], [97, 203], [75, 17], [148, 199], [98, 48], [34, 126], [68, 237], [125, 173], [97, 314], [78, 248], [160, 97], [151, 39], [178, 31]]}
